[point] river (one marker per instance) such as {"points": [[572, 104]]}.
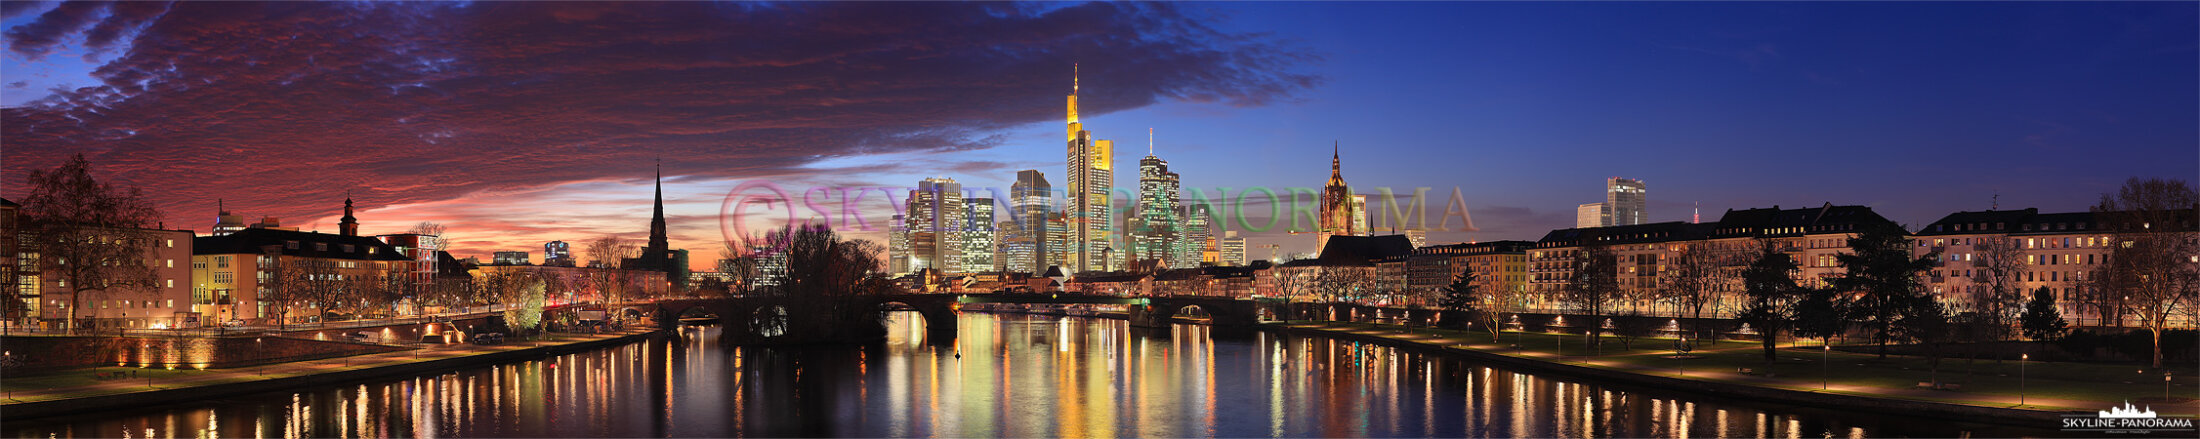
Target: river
{"points": [[1007, 376]]}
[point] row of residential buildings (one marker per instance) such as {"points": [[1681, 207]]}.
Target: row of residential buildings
{"points": [[240, 273], [2061, 252]]}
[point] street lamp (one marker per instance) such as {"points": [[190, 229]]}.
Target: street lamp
{"points": [[1825, 360], [2021, 359]]}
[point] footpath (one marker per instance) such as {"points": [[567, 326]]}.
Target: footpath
{"points": [[118, 387], [2033, 394]]}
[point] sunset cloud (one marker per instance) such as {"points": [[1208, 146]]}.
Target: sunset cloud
{"points": [[284, 108]]}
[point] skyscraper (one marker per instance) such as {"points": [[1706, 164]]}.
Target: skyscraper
{"points": [[935, 225], [1195, 238], [1155, 238], [1591, 215], [1233, 249], [977, 235], [1625, 199], [1091, 182], [1033, 200], [898, 251], [1337, 208]]}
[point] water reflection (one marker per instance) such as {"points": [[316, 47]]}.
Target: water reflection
{"points": [[1008, 375]]}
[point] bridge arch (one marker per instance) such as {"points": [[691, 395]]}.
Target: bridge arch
{"points": [[941, 318]]}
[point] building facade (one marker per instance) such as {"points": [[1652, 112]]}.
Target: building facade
{"points": [[1155, 234], [1091, 190], [1627, 202]]}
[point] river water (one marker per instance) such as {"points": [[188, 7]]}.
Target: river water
{"points": [[1006, 376]]}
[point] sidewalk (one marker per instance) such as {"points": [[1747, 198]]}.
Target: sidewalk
{"points": [[2042, 393], [74, 385]]}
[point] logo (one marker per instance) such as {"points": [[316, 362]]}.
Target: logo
{"points": [[2127, 419]]}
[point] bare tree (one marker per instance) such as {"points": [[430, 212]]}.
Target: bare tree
{"points": [[610, 280], [89, 235], [738, 261], [1593, 286], [369, 291], [1997, 263], [1689, 279], [1345, 283], [429, 228], [1290, 282], [2150, 263], [314, 283]]}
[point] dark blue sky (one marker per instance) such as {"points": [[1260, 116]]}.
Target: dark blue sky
{"points": [[1914, 109], [476, 114]]}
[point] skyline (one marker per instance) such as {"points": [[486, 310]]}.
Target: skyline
{"points": [[502, 129]]}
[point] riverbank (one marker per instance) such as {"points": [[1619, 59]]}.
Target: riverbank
{"points": [[1801, 377], [118, 387]]}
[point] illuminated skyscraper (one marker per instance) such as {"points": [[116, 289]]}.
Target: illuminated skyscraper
{"points": [[1233, 249], [977, 235], [897, 246], [1091, 181], [1625, 199], [1195, 240], [934, 226], [1155, 237], [1032, 199]]}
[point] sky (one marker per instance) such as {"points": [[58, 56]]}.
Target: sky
{"points": [[518, 123]]}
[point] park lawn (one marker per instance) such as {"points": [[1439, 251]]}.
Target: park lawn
{"points": [[1801, 367]]}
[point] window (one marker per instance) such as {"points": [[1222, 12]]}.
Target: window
{"points": [[320, 246], [348, 248], [221, 262], [293, 245], [171, 263], [171, 283], [171, 243]]}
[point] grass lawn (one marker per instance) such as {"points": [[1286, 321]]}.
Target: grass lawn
{"points": [[1802, 367], [84, 382]]}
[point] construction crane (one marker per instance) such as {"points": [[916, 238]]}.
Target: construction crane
{"points": [[1271, 251]]}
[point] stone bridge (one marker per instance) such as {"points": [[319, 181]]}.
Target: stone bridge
{"points": [[1227, 315]]}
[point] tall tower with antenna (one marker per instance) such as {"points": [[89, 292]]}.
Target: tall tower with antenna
{"points": [[1091, 184]]}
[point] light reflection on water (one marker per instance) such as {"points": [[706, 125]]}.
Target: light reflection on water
{"points": [[1008, 375]]}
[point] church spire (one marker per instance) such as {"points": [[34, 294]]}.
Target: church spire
{"points": [[348, 226], [657, 239], [1336, 165]]}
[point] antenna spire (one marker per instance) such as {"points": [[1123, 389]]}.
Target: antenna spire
{"points": [[1149, 141], [1072, 78]]}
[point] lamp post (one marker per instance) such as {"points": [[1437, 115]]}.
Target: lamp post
{"points": [[1825, 360], [2021, 359]]}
